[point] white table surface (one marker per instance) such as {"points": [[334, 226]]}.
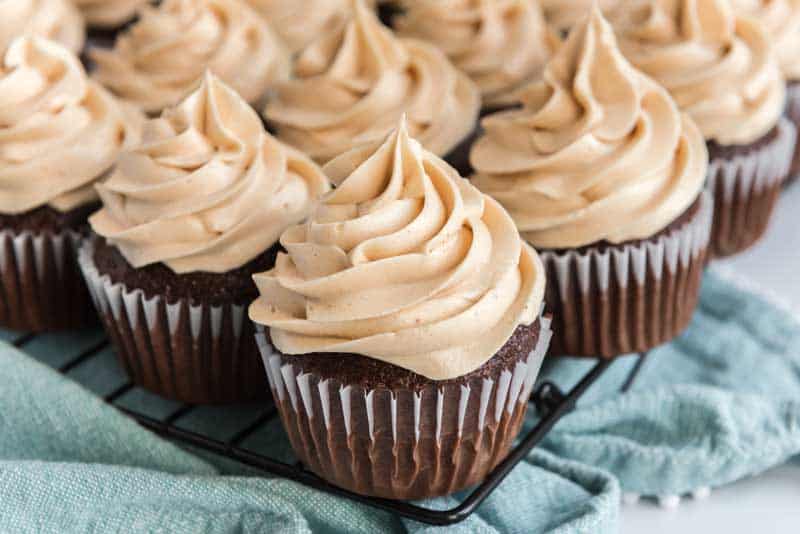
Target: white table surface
{"points": [[768, 503]]}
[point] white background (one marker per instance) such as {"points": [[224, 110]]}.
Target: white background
{"points": [[768, 503]]}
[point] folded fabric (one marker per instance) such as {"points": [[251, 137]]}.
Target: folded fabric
{"points": [[715, 405]]}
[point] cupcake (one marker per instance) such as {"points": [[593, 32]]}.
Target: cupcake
{"points": [[106, 18], [298, 22], [404, 332], [56, 20], [351, 86], [721, 70], [562, 15], [188, 216], [781, 20], [109, 14], [500, 44], [161, 57], [59, 133], [604, 175]]}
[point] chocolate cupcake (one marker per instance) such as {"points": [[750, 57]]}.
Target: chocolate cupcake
{"points": [[404, 336], [299, 22], [562, 15], [722, 71], [781, 21], [351, 86], [604, 176], [161, 57], [500, 44], [188, 216], [59, 132], [106, 18], [56, 20]]}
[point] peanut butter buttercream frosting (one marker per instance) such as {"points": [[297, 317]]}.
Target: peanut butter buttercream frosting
{"points": [[59, 131], [500, 44], [109, 13], [352, 85], [163, 55], [298, 22], [565, 14], [208, 189], [781, 20], [404, 262], [56, 20], [718, 67], [599, 151]]}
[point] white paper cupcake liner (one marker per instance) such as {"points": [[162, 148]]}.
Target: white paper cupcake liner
{"points": [[403, 444], [745, 190], [628, 298], [195, 353], [792, 113], [41, 288]]}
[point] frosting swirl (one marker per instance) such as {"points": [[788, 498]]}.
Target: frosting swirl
{"points": [[564, 14], [108, 13], [352, 86], [404, 262], [59, 131], [781, 20], [161, 57], [598, 152], [57, 20], [298, 22], [208, 189], [500, 44], [719, 68]]}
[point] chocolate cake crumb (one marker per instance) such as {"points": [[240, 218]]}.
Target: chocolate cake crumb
{"points": [[235, 286], [358, 370]]}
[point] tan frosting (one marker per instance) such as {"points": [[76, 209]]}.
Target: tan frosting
{"points": [[598, 152], [59, 131], [781, 20], [404, 262], [352, 86], [564, 14], [208, 189], [720, 69], [108, 13], [500, 44], [161, 57], [57, 20], [298, 22]]}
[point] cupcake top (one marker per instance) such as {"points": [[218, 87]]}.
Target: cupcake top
{"points": [[404, 262], [59, 131], [352, 85], [599, 151], [781, 20], [108, 13], [719, 68], [162, 56], [298, 22], [500, 44], [564, 14], [208, 189], [57, 20]]}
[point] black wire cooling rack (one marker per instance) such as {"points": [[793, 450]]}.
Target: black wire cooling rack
{"points": [[232, 432]]}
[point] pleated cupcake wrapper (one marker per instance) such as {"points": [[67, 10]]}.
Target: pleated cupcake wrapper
{"points": [[745, 190], [41, 288], [793, 114], [627, 298], [402, 444], [200, 354]]}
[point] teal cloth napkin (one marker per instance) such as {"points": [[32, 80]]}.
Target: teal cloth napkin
{"points": [[719, 403]]}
